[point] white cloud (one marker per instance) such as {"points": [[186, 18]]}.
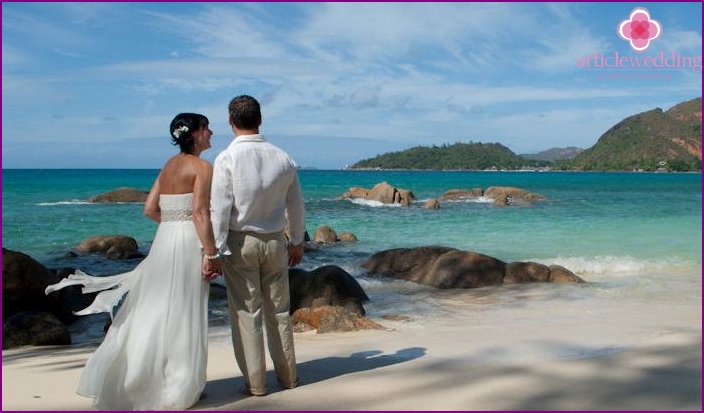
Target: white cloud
{"points": [[683, 41], [12, 56], [41, 34]]}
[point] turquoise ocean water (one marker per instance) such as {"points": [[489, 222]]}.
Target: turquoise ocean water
{"points": [[625, 233]]}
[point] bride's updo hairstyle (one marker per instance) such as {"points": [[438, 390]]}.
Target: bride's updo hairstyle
{"points": [[182, 128]]}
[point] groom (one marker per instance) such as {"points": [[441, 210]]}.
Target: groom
{"points": [[255, 194]]}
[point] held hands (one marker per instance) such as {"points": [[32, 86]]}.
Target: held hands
{"points": [[211, 266], [295, 254]]}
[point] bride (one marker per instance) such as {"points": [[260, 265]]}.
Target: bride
{"points": [[154, 355]]}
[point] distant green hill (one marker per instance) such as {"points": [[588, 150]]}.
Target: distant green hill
{"points": [[649, 141], [459, 156], [553, 154]]}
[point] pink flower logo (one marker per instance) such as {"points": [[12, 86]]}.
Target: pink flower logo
{"points": [[639, 29]]}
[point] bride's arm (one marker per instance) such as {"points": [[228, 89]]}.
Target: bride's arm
{"points": [[151, 205], [202, 222]]}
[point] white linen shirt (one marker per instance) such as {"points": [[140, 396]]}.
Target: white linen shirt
{"points": [[255, 188]]}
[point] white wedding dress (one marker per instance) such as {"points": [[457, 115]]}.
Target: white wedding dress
{"points": [[154, 355]]}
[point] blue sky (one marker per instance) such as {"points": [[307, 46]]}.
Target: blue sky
{"points": [[90, 85]]}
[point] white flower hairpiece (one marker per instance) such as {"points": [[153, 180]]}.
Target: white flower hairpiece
{"points": [[178, 131]]}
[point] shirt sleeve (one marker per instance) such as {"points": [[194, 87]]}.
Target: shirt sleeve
{"points": [[296, 211], [221, 201]]}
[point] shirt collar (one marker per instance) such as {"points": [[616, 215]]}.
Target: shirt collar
{"points": [[249, 138]]}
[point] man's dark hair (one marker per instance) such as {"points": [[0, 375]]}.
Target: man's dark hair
{"points": [[245, 112]]}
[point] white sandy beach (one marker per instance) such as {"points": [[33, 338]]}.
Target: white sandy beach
{"points": [[642, 358]]}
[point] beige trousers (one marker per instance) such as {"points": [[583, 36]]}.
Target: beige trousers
{"points": [[256, 275]]}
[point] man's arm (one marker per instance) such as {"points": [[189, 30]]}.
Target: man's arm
{"points": [[296, 222], [296, 212], [221, 201]]}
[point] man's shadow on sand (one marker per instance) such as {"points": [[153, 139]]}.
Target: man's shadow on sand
{"points": [[223, 391]]}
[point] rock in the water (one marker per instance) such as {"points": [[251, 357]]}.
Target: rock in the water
{"points": [[34, 328], [124, 194], [326, 285]]}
